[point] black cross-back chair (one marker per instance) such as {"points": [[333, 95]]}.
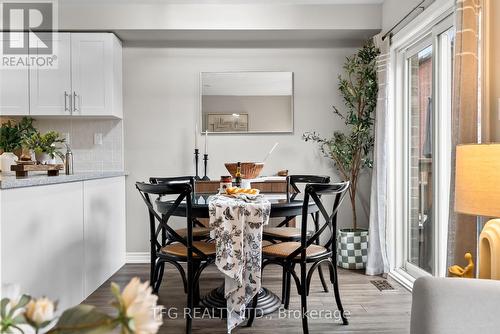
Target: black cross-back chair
{"points": [[283, 233], [289, 254], [200, 231], [196, 254]]}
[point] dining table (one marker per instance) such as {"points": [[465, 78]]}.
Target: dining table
{"points": [[282, 206]]}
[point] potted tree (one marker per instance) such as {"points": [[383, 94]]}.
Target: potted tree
{"points": [[45, 146], [12, 135], [351, 151]]}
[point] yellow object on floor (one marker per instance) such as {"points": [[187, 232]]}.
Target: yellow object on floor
{"points": [[489, 250], [467, 272]]}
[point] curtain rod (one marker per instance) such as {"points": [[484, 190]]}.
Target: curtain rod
{"points": [[419, 6]]}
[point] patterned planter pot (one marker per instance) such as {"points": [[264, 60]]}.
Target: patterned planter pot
{"points": [[352, 248]]}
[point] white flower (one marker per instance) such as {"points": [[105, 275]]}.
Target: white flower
{"points": [[139, 304], [40, 310], [23, 329]]}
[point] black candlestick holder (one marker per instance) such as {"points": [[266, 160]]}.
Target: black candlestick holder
{"points": [[205, 161], [196, 155]]}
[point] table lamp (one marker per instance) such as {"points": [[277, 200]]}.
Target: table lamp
{"points": [[477, 192]]}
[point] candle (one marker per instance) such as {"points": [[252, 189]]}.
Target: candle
{"points": [[206, 142], [196, 135]]}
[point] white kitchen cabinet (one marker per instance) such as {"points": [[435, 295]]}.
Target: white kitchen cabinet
{"points": [[42, 241], [50, 87], [96, 69], [62, 240], [14, 88], [14, 99], [104, 230], [86, 80]]}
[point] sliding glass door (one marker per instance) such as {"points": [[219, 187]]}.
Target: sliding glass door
{"points": [[421, 231], [428, 64]]}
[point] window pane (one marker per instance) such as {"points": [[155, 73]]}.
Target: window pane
{"points": [[421, 226]]}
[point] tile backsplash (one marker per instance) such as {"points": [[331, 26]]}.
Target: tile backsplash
{"points": [[88, 155]]}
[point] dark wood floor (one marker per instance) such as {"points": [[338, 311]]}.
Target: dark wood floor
{"points": [[371, 311]]}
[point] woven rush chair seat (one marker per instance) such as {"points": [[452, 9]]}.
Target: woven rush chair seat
{"points": [[284, 249], [179, 250], [198, 232], [282, 232]]}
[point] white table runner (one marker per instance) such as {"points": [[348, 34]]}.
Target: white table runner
{"points": [[237, 226]]}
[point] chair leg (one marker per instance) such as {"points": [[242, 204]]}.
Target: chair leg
{"points": [[288, 288], [182, 273], [152, 270], [283, 286], [159, 277], [322, 278], [190, 301], [155, 285], [303, 297], [334, 275], [196, 297]]}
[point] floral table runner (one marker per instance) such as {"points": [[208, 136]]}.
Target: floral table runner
{"points": [[237, 227]]}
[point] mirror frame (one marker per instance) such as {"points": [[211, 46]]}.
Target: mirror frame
{"points": [[200, 116]]}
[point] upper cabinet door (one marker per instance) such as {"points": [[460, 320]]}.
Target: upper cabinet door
{"points": [[50, 88], [14, 97], [96, 79], [14, 87]]}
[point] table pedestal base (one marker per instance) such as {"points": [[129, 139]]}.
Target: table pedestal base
{"points": [[268, 302]]}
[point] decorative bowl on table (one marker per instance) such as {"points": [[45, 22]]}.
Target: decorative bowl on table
{"points": [[249, 170]]}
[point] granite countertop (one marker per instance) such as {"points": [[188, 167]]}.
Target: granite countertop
{"points": [[9, 182]]}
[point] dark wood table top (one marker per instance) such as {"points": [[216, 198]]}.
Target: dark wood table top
{"points": [[281, 206]]}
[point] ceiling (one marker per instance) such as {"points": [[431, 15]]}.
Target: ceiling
{"points": [[233, 2], [222, 23]]}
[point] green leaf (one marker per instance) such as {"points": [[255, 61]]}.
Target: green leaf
{"points": [[23, 301], [84, 319], [12, 134], [3, 306]]}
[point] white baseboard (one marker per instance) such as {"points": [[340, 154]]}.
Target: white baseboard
{"points": [[137, 257]]}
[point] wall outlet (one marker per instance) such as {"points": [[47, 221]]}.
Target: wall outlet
{"points": [[98, 139]]}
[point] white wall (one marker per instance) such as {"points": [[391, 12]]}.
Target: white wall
{"points": [[395, 10], [161, 103]]}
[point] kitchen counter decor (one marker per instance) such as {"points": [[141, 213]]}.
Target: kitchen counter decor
{"points": [[21, 168], [12, 135], [45, 146]]}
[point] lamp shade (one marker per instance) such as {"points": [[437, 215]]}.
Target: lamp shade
{"points": [[477, 180]]}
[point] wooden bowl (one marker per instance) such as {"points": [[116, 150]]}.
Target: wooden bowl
{"points": [[249, 170]]}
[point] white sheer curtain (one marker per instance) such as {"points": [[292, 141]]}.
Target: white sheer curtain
{"points": [[378, 262]]}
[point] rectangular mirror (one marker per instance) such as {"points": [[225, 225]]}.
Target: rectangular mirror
{"points": [[247, 102]]}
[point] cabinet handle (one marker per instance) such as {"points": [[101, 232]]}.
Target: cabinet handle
{"points": [[66, 95], [74, 102]]}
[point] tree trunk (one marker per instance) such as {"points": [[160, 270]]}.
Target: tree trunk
{"points": [[352, 195]]}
